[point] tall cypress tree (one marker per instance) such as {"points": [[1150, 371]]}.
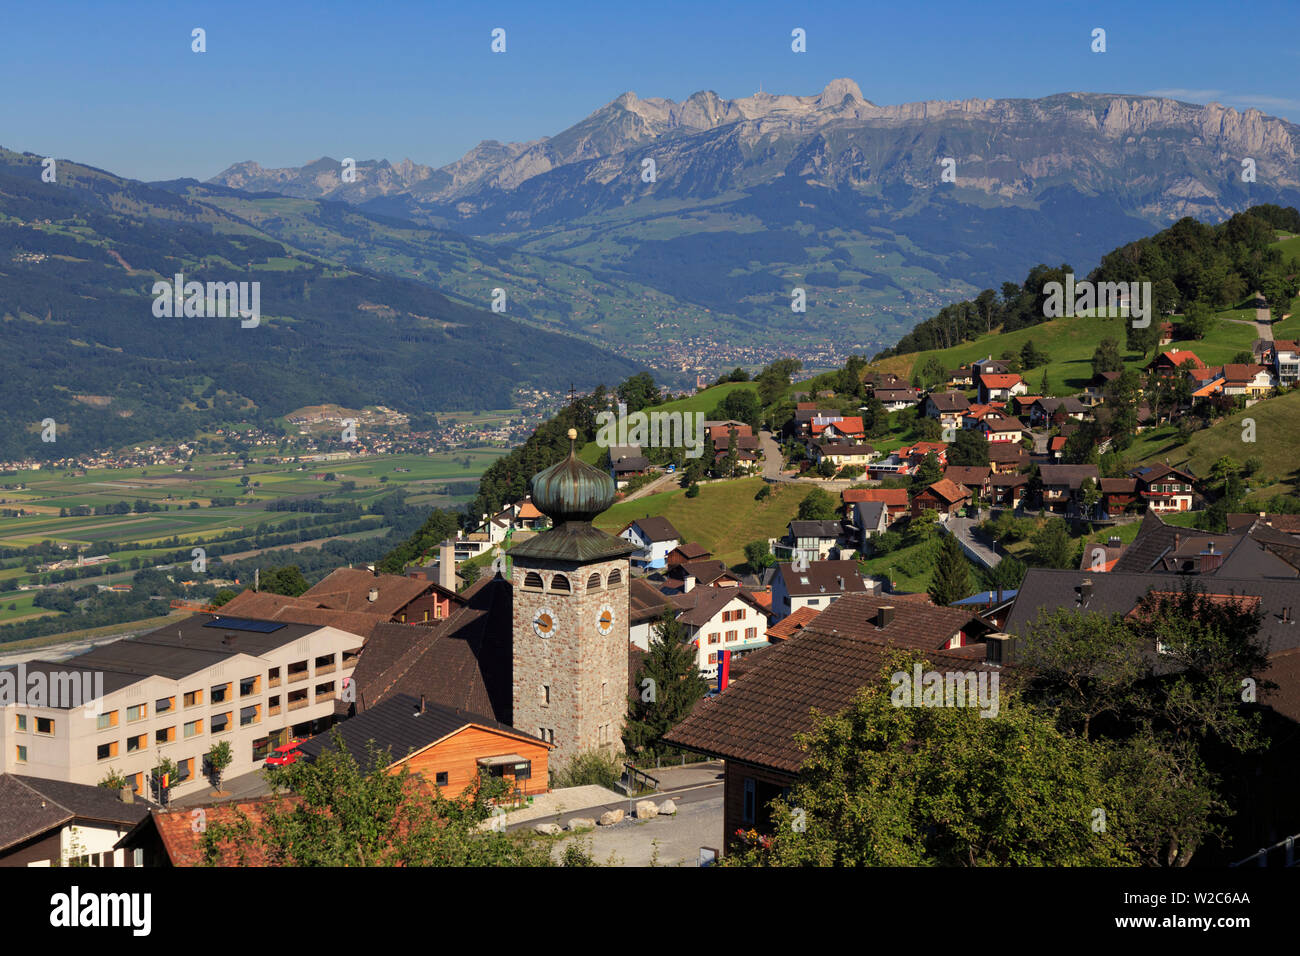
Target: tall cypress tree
{"points": [[951, 580], [667, 686]]}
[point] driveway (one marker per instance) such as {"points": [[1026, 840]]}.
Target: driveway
{"points": [[963, 529]]}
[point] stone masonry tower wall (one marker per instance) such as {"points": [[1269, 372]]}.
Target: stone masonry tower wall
{"points": [[571, 684]]}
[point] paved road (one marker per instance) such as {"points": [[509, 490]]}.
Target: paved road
{"points": [[771, 456], [692, 784], [964, 531], [663, 483]]}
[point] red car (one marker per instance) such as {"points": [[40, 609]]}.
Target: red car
{"points": [[285, 754]]}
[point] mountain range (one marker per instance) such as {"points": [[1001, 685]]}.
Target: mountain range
{"points": [[752, 197]]}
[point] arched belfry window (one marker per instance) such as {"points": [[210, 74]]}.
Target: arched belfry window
{"points": [[560, 583], [593, 582], [532, 581], [615, 577]]}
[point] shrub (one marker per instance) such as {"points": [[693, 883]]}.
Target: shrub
{"points": [[588, 768]]}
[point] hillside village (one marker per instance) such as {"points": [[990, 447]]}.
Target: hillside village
{"points": [[975, 519]]}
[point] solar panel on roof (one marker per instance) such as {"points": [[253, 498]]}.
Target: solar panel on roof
{"points": [[245, 624]]}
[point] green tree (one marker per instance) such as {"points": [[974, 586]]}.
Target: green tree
{"points": [[1107, 358], [287, 580], [888, 785], [1006, 575], [969, 448], [666, 687], [347, 813], [951, 579], [927, 473], [1031, 356], [817, 505], [1199, 320], [1142, 339], [638, 392], [758, 556], [1052, 545], [219, 758]]}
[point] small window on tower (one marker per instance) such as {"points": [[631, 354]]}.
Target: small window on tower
{"points": [[615, 577], [560, 583], [593, 582], [532, 581]]}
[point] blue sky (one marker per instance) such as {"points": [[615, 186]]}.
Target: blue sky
{"points": [[284, 82]]}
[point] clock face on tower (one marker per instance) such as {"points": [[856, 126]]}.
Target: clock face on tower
{"points": [[605, 619], [544, 622]]}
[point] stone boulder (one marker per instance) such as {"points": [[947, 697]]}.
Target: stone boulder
{"points": [[548, 829], [582, 823], [668, 808], [646, 810], [610, 817]]}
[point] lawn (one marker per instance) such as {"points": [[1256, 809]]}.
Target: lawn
{"points": [[724, 517], [701, 402]]}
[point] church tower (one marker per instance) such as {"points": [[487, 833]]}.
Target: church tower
{"points": [[570, 638]]}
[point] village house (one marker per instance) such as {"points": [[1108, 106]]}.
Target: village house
{"points": [[1253, 381], [973, 478], [753, 724], [654, 537], [870, 518], [707, 572], [961, 377], [1000, 388], [1001, 429], [894, 499], [448, 747], [688, 551], [1056, 411], [947, 407], [1007, 490], [944, 496], [1006, 458], [1171, 362], [626, 462], [843, 429], [721, 619], [822, 584], [1062, 485], [897, 399], [1095, 392], [1118, 495], [844, 455], [1165, 488], [812, 540], [55, 823]]}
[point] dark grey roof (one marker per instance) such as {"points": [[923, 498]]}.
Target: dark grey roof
{"points": [[1071, 476], [949, 401], [823, 577], [657, 528], [173, 651], [1118, 592], [816, 529], [396, 725], [871, 512], [30, 806], [632, 463]]}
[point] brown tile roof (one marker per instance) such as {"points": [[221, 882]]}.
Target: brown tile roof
{"points": [[265, 606], [756, 719], [348, 589], [1000, 381], [949, 401], [183, 842], [701, 604], [655, 528], [892, 497], [949, 490], [465, 661], [645, 602], [691, 550], [967, 474]]}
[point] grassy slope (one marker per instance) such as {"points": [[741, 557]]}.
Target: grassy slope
{"points": [[700, 402], [724, 517]]}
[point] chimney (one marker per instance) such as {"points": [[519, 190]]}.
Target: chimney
{"points": [[884, 615], [422, 703], [1286, 615], [127, 794], [1085, 590], [374, 570], [373, 596], [1114, 541], [997, 649], [689, 584], [447, 565], [228, 640]]}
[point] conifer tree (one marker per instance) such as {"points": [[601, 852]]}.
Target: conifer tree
{"points": [[667, 686], [951, 580]]}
